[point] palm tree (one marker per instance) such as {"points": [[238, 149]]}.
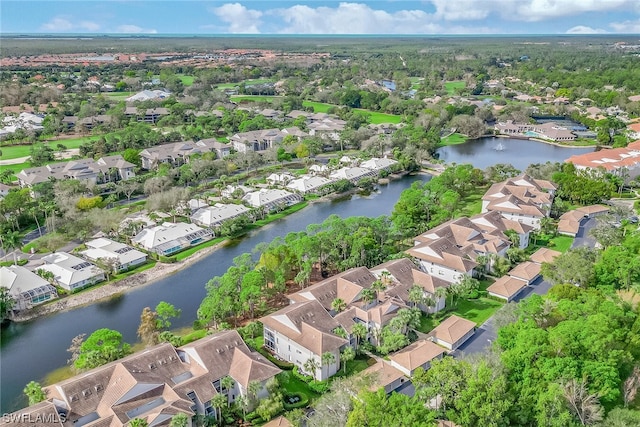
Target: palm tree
{"points": [[360, 332], [253, 389], [338, 305], [378, 286], [218, 402], [227, 383], [10, 242], [348, 354], [179, 420], [367, 295], [416, 295], [328, 358], [311, 366], [244, 403], [386, 278]]}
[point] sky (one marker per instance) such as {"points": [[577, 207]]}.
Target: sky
{"points": [[320, 17]]}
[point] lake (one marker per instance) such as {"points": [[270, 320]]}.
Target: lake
{"points": [[518, 152]]}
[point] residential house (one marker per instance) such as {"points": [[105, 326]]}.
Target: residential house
{"points": [[327, 128], [419, 354], [442, 258], [623, 162], [92, 172], [633, 130], [149, 115], [507, 287], [301, 332], [4, 190], [453, 332], [231, 191], [353, 174], [402, 274], [544, 255], [214, 216], [158, 383], [377, 164], [70, 272], [124, 256], [309, 184], [526, 271], [24, 121], [256, 140], [549, 131], [278, 422], [215, 146], [175, 154], [493, 222], [26, 288], [521, 199], [473, 239], [569, 222], [386, 376], [316, 170], [169, 238], [296, 132], [149, 95], [279, 178], [271, 199]]}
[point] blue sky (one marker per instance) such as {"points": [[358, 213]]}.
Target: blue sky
{"points": [[321, 17]]}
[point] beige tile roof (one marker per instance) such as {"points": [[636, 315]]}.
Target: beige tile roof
{"points": [[44, 411], [507, 286], [327, 290], [278, 422], [544, 255], [526, 270], [443, 252], [160, 376], [593, 209], [453, 329], [609, 159], [382, 374], [307, 323], [249, 366], [417, 354]]}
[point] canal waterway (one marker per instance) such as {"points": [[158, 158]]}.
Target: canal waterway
{"points": [[520, 153], [30, 350]]}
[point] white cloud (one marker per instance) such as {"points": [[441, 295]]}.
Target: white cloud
{"points": [[524, 10], [240, 19], [627, 27], [583, 29], [359, 18], [89, 26], [67, 24], [58, 23], [134, 29]]}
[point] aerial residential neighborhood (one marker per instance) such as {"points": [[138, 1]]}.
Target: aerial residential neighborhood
{"points": [[279, 230]]}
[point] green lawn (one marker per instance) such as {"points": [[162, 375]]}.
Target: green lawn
{"points": [[454, 86], [560, 243], [186, 79], [355, 366], [415, 82], [453, 139], [254, 98], [471, 204], [427, 323], [188, 252], [16, 151], [374, 117], [478, 310], [293, 385]]}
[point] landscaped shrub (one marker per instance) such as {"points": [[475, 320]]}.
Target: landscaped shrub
{"points": [[285, 366], [303, 377], [302, 401], [473, 294], [167, 259], [319, 387]]}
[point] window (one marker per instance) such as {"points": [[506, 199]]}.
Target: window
{"points": [[269, 340]]}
